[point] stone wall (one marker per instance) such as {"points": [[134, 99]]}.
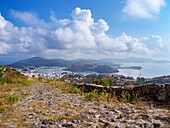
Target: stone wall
{"points": [[155, 93]]}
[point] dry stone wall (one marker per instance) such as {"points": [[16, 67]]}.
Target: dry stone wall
{"points": [[155, 93]]}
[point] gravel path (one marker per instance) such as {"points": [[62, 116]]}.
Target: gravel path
{"points": [[46, 106]]}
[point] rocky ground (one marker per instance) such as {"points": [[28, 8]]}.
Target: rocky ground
{"points": [[46, 106]]}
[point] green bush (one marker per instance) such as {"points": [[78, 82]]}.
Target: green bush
{"points": [[75, 90], [103, 82], [125, 98], [95, 93], [89, 96], [13, 98], [27, 82], [18, 73], [9, 89]]}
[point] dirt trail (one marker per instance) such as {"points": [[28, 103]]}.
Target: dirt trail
{"points": [[46, 106]]}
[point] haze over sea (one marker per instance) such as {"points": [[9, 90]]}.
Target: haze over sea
{"points": [[149, 70]]}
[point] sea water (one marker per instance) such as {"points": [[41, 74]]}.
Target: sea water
{"points": [[149, 70]]}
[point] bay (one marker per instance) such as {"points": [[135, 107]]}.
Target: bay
{"points": [[149, 70]]}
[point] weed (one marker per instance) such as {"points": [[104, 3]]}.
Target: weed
{"points": [[56, 85], [22, 93], [1, 103], [13, 98], [9, 89], [18, 73], [86, 125], [1, 110], [101, 96], [75, 90], [125, 98], [89, 96], [19, 89], [27, 82], [103, 82]]}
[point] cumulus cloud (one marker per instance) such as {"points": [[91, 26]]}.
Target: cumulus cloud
{"points": [[77, 37], [4, 48], [142, 8], [28, 17], [159, 38]]}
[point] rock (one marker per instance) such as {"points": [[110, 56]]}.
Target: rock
{"points": [[139, 122], [67, 125], [97, 116], [157, 125], [49, 122], [146, 116], [148, 125], [161, 118], [117, 111], [36, 111], [130, 126], [10, 125]]}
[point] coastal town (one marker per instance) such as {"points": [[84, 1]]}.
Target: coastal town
{"points": [[58, 73]]}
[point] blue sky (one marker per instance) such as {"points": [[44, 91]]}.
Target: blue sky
{"points": [[92, 29]]}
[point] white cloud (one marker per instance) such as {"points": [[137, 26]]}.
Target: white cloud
{"points": [[28, 17], [78, 37], [4, 48], [159, 38], [82, 15], [143, 8]]}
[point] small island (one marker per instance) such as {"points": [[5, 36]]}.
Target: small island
{"points": [[132, 67]]}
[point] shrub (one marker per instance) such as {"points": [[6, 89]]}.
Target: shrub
{"points": [[18, 73], [19, 89], [125, 98], [103, 82], [13, 98], [75, 90], [9, 89], [102, 95], [27, 82], [89, 96]]}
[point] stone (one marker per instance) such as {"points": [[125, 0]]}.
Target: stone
{"points": [[139, 122], [157, 125], [36, 111], [117, 111], [148, 125], [49, 122], [67, 125], [146, 116]]}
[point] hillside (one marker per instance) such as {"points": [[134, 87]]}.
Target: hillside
{"points": [[13, 86], [38, 61], [11, 76]]}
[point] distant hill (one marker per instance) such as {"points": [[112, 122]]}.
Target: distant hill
{"points": [[90, 67], [38, 61], [100, 66], [135, 60]]}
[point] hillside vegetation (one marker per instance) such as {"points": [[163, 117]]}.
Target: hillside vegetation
{"points": [[11, 87]]}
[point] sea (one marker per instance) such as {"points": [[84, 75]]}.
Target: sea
{"points": [[149, 70]]}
